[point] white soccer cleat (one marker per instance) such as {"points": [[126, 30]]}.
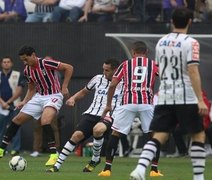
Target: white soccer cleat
{"points": [[135, 175]]}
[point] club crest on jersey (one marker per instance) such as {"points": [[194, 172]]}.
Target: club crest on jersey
{"points": [[170, 43]]}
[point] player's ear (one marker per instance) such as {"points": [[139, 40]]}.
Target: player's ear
{"points": [[133, 53]]}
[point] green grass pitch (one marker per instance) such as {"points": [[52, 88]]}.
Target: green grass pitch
{"points": [[172, 168]]}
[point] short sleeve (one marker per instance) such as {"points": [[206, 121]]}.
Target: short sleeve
{"points": [[92, 83]]}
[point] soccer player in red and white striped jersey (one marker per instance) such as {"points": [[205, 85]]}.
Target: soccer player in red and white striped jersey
{"points": [[139, 75], [44, 76], [44, 97], [139, 78]]}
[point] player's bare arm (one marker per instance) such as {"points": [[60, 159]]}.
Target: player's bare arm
{"points": [[30, 93], [68, 71], [194, 75], [110, 94], [77, 96]]}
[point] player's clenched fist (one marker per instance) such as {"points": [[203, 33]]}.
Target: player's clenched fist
{"points": [[70, 101]]}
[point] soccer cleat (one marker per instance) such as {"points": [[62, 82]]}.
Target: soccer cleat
{"points": [[106, 173], [1, 152], [135, 175], [52, 160], [155, 174], [53, 169], [91, 166]]}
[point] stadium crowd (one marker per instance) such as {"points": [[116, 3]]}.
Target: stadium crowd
{"points": [[100, 11]]}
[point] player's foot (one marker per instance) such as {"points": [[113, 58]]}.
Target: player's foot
{"points": [[155, 173], [136, 175], [91, 166], [106, 173], [52, 159], [1, 152], [53, 169]]}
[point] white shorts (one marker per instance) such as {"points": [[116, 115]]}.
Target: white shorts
{"points": [[35, 106], [126, 114]]}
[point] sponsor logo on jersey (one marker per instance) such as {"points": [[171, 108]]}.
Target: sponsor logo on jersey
{"points": [[170, 43]]}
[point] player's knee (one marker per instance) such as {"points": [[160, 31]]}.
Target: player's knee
{"points": [[98, 132], [199, 137], [77, 136], [19, 119]]}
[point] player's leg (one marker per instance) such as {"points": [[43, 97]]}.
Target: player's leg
{"points": [[154, 172], [102, 128], [198, 155], [12, 130], [110, 153], [54, 125], [47, 117], [190, 119], [160, 125], [51, 105], [147, 155], [122, 124], [146, 117], [68, 148], [83, 131]]}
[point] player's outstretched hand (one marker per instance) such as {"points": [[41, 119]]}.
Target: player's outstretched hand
{"points": [[65, 92], [70, 101], [106, 110], [20, 105]]}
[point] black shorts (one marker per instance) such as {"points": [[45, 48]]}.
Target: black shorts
{"points": [[88, 122], [167, 117]]}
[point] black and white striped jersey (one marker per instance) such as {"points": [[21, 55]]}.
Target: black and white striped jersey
{"points": [[174, 53], [100, 84]]}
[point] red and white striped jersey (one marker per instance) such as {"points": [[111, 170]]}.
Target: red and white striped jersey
{"points": [[138, 75], [174, 53], [44, 76]]}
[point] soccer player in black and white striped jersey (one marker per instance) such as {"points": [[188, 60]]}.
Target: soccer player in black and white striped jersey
{"points": [[91, 123], [180, 98]]}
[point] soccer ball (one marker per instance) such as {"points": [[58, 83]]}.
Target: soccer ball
{"points": [[17, 163]]}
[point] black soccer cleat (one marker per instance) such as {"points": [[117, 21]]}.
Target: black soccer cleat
{"points": [[52, 170], [91, 166]]}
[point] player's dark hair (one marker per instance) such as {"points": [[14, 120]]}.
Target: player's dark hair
{"points": [[181, 16], [26, 50], [139, 47], [113, 62]]}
